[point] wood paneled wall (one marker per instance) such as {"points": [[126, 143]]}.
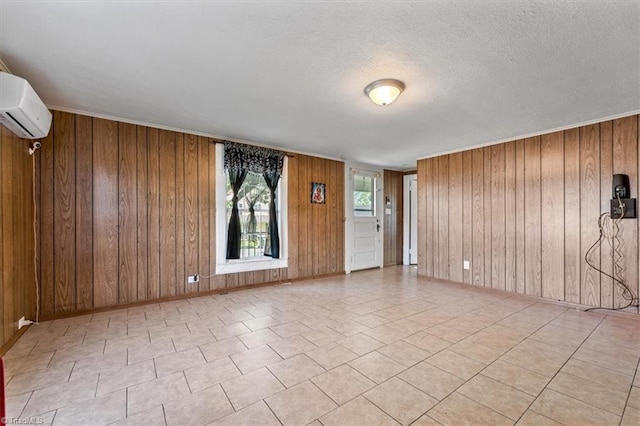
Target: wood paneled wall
{"points": [[17, 279], [316, 231], [127, 212], [124, 212], [524, 213], [393, 222]]}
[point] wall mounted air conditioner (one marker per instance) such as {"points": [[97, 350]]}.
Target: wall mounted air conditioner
{"points": [[21, 110]]}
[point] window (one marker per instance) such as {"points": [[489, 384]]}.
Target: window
{"points": [[364, 191], [252, 204]]}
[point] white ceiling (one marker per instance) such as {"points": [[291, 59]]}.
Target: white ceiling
{"points": [[291, 74]]}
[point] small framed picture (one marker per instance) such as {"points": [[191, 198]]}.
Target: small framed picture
{"points": [[317, 193]]}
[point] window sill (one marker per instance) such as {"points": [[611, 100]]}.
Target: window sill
{"points": [[235, 266]]}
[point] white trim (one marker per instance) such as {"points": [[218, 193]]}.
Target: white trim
{"points": [[234, 266], [189, 132], [406, 225], [531, 135], [224, 266], [221, 209]]}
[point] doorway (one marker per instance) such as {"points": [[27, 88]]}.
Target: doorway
{"points": [[410, 231], [366, 227]]}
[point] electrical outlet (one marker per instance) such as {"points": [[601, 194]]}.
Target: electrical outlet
{"points": [[629, 208], [22, 322], [192, 279], [465, 264]]}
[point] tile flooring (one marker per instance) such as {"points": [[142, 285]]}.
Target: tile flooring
{"points": [[375, 347]]}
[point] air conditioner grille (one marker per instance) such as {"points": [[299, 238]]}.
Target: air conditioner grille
{"points": [[19, 124]]}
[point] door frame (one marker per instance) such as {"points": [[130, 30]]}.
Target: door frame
{"points": [[407, 215], [349, 170]]}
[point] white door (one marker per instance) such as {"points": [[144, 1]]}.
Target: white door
{"points": [[366, 223]]}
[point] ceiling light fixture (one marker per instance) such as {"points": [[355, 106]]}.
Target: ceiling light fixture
{"points": [[384, 92]]}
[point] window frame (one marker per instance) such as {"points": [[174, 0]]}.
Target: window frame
{"points": [[371, 211], [230, 266]]}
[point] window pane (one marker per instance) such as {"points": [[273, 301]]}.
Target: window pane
{"points": [[253, 206], [363, 195]]}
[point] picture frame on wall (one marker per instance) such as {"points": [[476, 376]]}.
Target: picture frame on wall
{"points": [[317, 193]]}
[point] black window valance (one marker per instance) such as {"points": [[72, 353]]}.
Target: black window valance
{"points": [[254, 159]]}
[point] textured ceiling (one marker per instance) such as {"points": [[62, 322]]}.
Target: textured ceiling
{"points": [[291, 74]]}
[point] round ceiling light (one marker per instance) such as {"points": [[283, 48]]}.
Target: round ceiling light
{"points": [[384, 92]]}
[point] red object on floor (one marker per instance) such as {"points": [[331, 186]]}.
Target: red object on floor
{"points": [[2, 407]]}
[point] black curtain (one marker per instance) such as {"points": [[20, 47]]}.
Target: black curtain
{"points": [[240, 159], [234, 234], [272, 247]]}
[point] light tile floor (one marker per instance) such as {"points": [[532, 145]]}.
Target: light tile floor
{"points": [[374, 347]]}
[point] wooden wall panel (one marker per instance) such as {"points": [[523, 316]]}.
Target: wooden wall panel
{"points": [[17, 285], [455, 217], [467, 215], [443, 217], [337, 244], [436, 253], [310, 256], [167, 154], [532, 206], [477, 261], [319, 212], [423, 241], [488, 215], [64, 210], [572, 256], [531, 213], [625, 160], [215, 282], [552, 220], [393, 219], [341, 215], [191, 208], [46, 221], [606, 173], [498, 219], [142, 231], [425, 219], [206, 260], [84, 212], [153, 207], [510, 215], [294, 201], [589, 211], [519, 213], [127, 212], [181, 275], [304, 245], [105, 218]]}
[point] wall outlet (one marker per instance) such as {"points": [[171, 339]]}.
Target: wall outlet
{"points": [[629, 208], [465, 264], [191, 279], [22, 322]]}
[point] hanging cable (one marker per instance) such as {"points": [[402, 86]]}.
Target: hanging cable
{"points": [[609, 230], [35, 238]]}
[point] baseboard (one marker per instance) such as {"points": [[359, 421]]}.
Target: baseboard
{"points": [[181, 297], [5, 348]]}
